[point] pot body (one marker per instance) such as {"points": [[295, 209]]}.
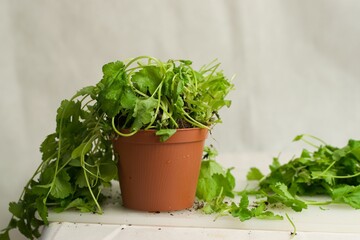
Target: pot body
{"points": [[160, 176]]}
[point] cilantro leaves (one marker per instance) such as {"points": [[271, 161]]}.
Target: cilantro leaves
{"points": [[213, 179], [78, 160], [327, 170], [216, 183], [147, 93], [111, 87]]}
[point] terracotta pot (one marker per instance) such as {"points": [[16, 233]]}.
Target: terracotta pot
{"points": [[160, 176]]}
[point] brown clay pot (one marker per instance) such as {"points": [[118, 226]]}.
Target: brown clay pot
{"points": [[160, 176]]}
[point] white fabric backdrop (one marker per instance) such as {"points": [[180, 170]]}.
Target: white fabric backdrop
{"points": [[296, 64]]}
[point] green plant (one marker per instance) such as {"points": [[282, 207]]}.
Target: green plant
{"points": [[326, 171], [329, 170], [78, 160], [162, 95], [215, 190]]}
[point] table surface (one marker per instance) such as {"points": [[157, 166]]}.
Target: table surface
{"points": [[328, 222]]}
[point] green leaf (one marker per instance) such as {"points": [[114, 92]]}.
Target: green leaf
{"points": [[17, 209], [4, 235], [40, 190], [108, 171], [254, 174], [353, 198], [111, 88], [213, 180], [49, 147], [283, 196], [241, 211], [62, 187], [89, 90], [355, 148], [268, 215], [186, 62], [210, 153], [224, 183], [341, 191], [80, 179], [42, 210], [47, 175], [110, 100], [329, 177], [298, 138], [207, 189], [165, 134], [68, 110], [244, 201], [230, 181], [75, 162], [347, 194], [144, 111], [244, 215], [81, 150], [213, 167], [275, 164], [111, 71], [24, 229], [259, 209], [260, 212], [147, 79], [216, 205], [305, 154], [128, 99], [340, 153], [76, 203]]}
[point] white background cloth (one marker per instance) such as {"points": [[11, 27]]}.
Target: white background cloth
{"points": [[296, 62]]}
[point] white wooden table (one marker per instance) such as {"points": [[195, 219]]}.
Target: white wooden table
{"points": [[117, 222]]}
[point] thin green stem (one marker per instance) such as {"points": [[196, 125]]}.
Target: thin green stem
{"points": [[310, 143], [342, 177], [135, 89], [82, 161], [120, 133], [328, 168], [158, 90], [131, 61], [205, 68], [91, 192], [315, 203], [193, 121], [292, 224], [314, 145], [169, 114]]}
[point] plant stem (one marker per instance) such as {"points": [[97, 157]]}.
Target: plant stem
{"points": [[120, 133], [292, 224], [193, 121]]}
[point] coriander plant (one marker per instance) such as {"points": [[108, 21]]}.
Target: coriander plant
{"points": [[78, 159]]}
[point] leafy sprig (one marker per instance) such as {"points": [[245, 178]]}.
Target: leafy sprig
{"points": [[77, 162], [216, 190], [328, 170]]}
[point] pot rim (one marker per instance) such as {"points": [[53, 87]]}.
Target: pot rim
{"points": [[147, 136]]}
